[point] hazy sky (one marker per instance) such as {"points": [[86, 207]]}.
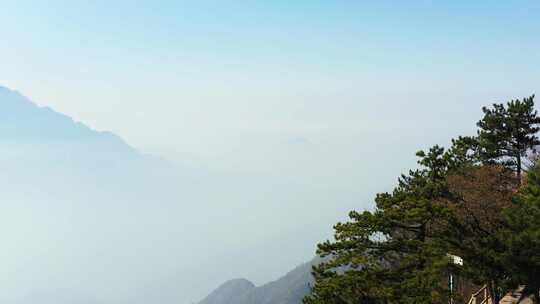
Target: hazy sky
{"points": [[221, 83]]}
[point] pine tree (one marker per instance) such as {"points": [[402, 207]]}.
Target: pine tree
{"points": [[389, 255], [508, 132], [460, 202], [522, 236]]}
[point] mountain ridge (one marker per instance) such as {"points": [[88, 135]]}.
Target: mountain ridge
{"points": [[24, 120], [289, 289]]}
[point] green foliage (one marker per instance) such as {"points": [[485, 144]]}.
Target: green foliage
{"points": [[507, 132], [454, 203], [389, 255], [522, 235]]}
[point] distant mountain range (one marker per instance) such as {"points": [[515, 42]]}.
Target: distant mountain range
{"points": [[86, 218], [26, 128], [21, 119], [75, 199], [289, 289]]}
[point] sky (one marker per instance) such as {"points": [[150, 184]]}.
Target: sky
{"points": [[333, 96], [217, 83]]}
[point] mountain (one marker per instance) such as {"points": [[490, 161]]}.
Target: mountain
{"points": [[30, 132], [85, 214], [229, 291], [21, 120], [86, 218], [289, 289], [38, 141]]}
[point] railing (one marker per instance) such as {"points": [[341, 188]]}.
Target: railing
{"points": [[482, 296]]}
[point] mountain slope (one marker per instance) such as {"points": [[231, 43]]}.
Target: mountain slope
{"points": [[24, 124], [289, 289], [21, 119], [84, 214], [229, 291]]}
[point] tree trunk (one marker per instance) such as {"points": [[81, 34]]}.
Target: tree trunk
{"points": [[519, 168], [493, 292]]}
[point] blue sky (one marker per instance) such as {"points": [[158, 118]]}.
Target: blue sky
{"points": [[217, 82]]}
